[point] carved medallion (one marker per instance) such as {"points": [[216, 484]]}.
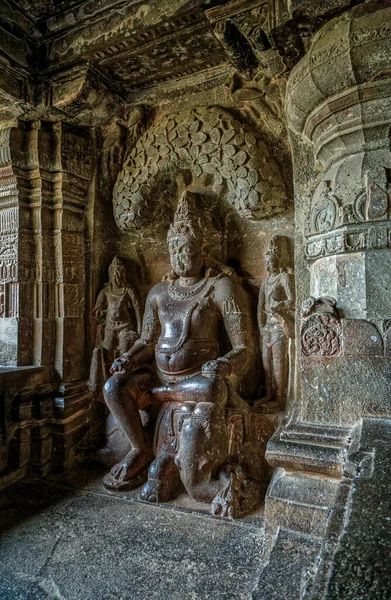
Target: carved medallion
{"points": [[321, 330]]}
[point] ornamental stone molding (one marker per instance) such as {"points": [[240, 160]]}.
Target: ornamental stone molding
{"points": [[347, 119]]}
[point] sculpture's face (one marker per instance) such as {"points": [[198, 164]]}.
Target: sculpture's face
{"points": [[117, 276], [272, 263], [186, 256]]}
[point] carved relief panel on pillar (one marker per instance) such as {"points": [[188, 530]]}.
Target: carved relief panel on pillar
{"points": [[321, 328], [9, 252]]}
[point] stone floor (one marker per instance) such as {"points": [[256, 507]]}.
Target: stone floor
{"points": [[72, 540], [67, 538]]}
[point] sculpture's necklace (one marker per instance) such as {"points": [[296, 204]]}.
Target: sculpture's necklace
{"points": [[188, 315], [178, 294], [119, 293]]}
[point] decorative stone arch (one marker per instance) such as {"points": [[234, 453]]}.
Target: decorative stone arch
{"points": [[217, 150]]}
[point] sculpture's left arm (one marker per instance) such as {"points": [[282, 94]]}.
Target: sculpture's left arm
{"points": [[287, 306], [136, 307], [234, 307]]}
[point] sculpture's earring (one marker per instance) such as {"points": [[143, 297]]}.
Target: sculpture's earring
{"points": [[170, 276]]}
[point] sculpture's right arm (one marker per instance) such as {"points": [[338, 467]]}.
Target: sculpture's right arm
{"points": [[261, 314], [143, 350], [100, 305]]}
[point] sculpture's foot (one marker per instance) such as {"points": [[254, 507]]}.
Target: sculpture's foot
{"points": [[239, 496], [130, 472], [164, 481]]}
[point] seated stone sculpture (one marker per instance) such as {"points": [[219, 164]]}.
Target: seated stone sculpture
{"points": [[179, 376]]}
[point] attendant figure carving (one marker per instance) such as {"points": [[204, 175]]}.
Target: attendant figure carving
{"points": [[276, 319], [180, 375], [118, 317]]}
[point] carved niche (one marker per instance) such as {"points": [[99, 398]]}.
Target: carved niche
{"points": [[183, 373], [217, 150]]}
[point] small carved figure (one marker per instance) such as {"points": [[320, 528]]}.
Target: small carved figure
{"points": [[118, 317], [276, 317], [180, 374]]}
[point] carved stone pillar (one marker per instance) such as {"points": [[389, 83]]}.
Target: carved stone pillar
{"points": [[45, 171], [69, 249], [69, 255], [339, 99], [20, 243], [9, 225], [338, 107]]}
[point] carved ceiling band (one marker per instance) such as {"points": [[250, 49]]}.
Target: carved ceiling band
{"points": [[216, 149]]}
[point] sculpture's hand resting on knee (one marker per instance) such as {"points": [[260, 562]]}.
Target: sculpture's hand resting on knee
{"points": [[219, 367], [123, 364]]}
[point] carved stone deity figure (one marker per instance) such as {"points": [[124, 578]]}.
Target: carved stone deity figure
{"points": [[118, 317], [180, 376], [276, 318]]}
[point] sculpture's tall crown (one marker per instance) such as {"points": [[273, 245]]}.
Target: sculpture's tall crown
{"points": [[117, 271], [278, 247], [116, 263], [186, 221]]}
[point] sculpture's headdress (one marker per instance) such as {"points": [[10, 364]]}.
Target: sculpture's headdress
{"points": [[117, 268], [186, 222], [187, 225], [278, 247], [116, 263]]}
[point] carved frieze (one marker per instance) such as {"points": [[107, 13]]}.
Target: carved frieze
{"points": [[355, 239], [334, 226], [214, 148], [179, 46]]}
